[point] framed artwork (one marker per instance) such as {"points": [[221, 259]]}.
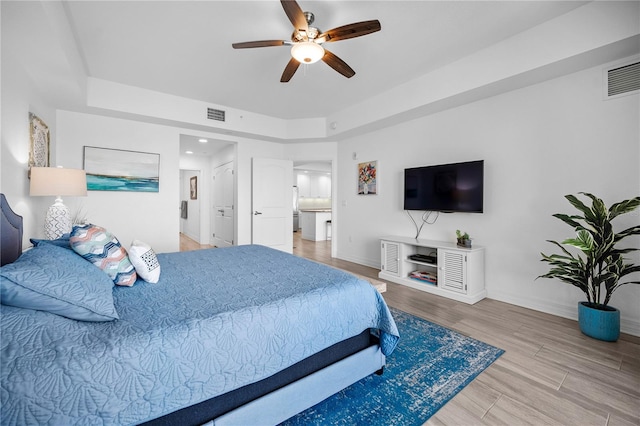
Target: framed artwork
{"points": [[193, 188], [368, 178], [119, 170], [39, 145]]}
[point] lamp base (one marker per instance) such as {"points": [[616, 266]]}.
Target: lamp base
{"points": [[58, 221]]}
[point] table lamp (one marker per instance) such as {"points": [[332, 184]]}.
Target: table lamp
{"points": [[57, 181]]}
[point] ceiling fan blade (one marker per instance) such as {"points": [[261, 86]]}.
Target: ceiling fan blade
{"points": [[338, 64], [350, 31], [289, 70], [295, 15], [262, 43]]}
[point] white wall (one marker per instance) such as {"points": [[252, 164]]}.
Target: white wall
{"points": [[152, 217], [19, 97], [78, 129], [539, 143], [224, 156]]}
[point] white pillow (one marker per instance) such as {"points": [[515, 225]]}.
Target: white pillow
{"points": [[145, 261]]}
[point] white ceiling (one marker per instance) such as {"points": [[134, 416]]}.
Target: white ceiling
{"points": [[313, 166], [201, 147], [184, 47]]}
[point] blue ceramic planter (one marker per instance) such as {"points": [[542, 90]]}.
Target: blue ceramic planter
{"points": [[599, 324]]}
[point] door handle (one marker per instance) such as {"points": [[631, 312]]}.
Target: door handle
{"points": [[256, 213], [221, 211]]}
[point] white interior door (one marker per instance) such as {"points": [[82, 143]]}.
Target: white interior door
{"points": [[272, 192], [223, 207]]}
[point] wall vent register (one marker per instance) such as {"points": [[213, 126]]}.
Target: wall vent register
{"points": [[215, 114], [623, 79]]}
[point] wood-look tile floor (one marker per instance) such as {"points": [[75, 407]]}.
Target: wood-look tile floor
{"points": [[188, 244], [550, 372]]}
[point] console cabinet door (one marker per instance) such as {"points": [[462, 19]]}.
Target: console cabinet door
{"points": [[452, 271], [390, 258]]}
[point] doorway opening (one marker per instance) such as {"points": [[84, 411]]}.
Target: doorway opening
{"points": [[312, 207], [187, 244], [202, 157], [190, 204]]}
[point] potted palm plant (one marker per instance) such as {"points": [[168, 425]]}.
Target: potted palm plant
{"points": [[598, 266]]}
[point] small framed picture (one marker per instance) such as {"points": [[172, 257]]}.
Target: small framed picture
{"points": [[193, 188], [39, 147], [368, 178]]}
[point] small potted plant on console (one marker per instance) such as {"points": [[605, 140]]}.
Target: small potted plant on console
{"points": [[597, 266], [463, 239]]}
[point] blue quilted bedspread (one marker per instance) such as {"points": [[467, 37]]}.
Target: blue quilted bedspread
{"points": [[217, 320]]}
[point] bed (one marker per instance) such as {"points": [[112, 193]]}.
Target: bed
{"points": [[241, 335]]}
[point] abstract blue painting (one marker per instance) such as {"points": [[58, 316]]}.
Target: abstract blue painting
{"points": [[119, 170]]}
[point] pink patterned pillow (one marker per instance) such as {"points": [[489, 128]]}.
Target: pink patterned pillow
{"points": [[101, 248]]}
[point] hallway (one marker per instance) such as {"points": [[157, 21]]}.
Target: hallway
{"points": [[320, 251], [187, 244]]}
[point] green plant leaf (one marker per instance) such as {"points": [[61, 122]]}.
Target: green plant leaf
{"points": [[588, 212], [560, 246], [583, 241], [623, 207], [600, 212], [575, 202], [634, 230], [569, 220], [624, 250], [629, 269]]}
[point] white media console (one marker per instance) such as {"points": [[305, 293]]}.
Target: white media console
{"points": [[458, 272]]}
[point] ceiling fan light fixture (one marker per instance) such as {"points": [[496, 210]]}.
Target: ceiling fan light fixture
{"points": [[307, 52], [306, 41]]}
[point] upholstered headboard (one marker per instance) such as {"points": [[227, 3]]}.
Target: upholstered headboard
{"points": [[10, 233]]}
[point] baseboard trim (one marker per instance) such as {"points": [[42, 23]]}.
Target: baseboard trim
{"points": [[359, 260], [542, 305], [562, 310]]}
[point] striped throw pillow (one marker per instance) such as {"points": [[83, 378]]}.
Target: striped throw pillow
{"points": [[103, 249]]}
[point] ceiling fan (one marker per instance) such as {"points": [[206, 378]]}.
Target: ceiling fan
{"points": [[306, 41]]}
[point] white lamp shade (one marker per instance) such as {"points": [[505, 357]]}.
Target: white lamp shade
{"points": [[307, 52], [57, 181]]}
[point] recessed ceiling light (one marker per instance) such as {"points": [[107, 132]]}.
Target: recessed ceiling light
{"points": [[203, 140], [188, 152]]}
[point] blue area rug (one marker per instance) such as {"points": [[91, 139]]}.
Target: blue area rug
{"points": [[430, 365]]}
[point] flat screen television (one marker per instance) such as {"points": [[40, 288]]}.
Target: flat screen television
{"points": [[457, 187]]}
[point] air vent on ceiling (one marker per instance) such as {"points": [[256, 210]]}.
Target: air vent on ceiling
{"points": [[215, 114], [623, 79]]}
